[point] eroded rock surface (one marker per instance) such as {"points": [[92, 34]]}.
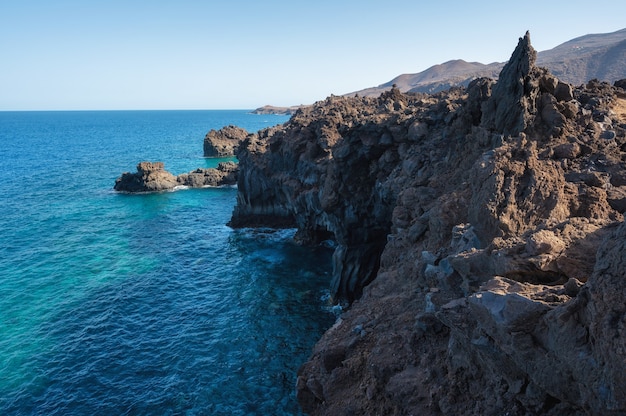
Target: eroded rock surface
{"points": [[480, 238]]}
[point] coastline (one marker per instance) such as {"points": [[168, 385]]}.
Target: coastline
{"points": [[464, 222], [108, 293]]}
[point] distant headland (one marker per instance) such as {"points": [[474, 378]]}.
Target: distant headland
{"points": [[270, 109]]}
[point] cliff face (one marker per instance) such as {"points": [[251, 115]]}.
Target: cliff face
{"points": [[324, 173], [480, 238]]}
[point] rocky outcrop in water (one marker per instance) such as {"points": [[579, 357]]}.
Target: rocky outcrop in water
{"points": [[152, 177], [480, 239], [223, 142], [225, 174]]}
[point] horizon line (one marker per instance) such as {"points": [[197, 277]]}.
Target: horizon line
{"points": [[125, 109]]}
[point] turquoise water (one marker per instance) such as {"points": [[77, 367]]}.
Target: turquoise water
{"points": [[119, 304]]}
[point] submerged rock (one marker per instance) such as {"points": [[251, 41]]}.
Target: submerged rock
{"points": [[479, 236]]}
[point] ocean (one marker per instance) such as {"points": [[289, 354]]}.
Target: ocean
{"points": [[117, 304]]}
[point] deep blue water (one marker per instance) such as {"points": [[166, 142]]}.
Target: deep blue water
{"points": [[114, 304]]}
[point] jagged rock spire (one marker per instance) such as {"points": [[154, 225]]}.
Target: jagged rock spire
{"points": [[508, 111]]}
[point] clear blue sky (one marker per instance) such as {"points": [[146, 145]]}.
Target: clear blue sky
{"points": [[193, 54]]}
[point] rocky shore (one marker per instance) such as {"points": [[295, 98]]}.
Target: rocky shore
{"points": [[480, 243]]}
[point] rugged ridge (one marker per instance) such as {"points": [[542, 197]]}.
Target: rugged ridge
{"points": [[601, 56], [480, 240]]}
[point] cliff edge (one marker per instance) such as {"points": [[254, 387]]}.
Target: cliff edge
{"points": [[480, 242]]}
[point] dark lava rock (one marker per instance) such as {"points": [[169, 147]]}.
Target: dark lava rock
{"points": [[152, 177], [223, 142]]}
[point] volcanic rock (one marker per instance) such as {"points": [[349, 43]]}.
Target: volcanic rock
{"points": [[223, 142], [511, 104], [480, 244], [152, 177], [224, 174]]}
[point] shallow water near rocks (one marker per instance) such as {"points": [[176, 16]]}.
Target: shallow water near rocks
{"points": [[142, 304]]}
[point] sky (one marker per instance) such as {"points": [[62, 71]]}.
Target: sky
{"points": [[236, 54]]}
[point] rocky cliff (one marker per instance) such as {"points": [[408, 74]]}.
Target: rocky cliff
{"points": [[479, 238]]}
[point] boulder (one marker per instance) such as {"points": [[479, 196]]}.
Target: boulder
{"points": [[563, 92]]}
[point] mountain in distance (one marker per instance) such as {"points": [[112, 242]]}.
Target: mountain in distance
{"points": [[600, 56], [437, 78]]}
